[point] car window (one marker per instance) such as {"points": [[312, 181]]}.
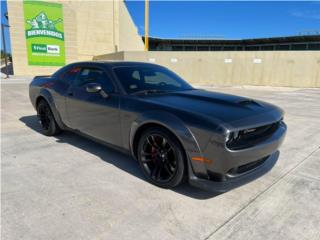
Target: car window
{"points": [[160, 78], [134, 80], [139, 78], [94, 75], [136, 75], [69, 75]]}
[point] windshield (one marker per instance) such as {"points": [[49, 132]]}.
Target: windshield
{"points": [[136, 79]]}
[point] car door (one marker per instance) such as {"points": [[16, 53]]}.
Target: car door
{"points": [[62, 84], [94, 113]]}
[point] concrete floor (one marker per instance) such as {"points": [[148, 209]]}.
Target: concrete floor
{"points": [[68, 187]]}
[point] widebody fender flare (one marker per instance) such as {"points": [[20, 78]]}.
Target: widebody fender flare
{"points": [[174, 125], [45, 93]]}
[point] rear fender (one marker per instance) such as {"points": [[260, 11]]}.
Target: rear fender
{"points": [[45, 93]]}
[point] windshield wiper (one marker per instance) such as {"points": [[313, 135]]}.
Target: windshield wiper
{"points": [[149, 91]]}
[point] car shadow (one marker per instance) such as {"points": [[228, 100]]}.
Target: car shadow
{"points": [[121, 160]]}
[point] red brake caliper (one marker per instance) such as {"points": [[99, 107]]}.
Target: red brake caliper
{"points": [[153, 154]]}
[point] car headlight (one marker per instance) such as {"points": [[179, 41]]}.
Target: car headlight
{"points": [[232, 136]]}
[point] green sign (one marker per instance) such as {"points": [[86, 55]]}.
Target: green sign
{"points": [[44, 33]]}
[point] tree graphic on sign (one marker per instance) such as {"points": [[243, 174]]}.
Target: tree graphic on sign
{"points": [[41, 21]]}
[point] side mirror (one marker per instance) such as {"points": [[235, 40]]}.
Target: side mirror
{"points": [[93, 88], [96, 88]]}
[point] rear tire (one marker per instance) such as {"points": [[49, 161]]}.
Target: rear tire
{"points": [[49, 126], [161, 157]]}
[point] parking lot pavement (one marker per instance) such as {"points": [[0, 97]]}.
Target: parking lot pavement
{"points": [[68, 187]]}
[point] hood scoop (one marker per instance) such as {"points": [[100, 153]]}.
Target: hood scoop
{"points": [[246, 102], [218, 98]]}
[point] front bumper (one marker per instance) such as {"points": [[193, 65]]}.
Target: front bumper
{"points": [[233, 182], [232, 168]]}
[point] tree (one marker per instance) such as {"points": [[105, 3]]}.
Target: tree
{"points": [[8, 55]]}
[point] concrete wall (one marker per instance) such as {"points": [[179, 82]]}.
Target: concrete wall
{"points": [[95, 27], [129, 40], [271, 68], [91, 28]]}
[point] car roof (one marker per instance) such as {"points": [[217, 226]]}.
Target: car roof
{"points": [[116, 63]]}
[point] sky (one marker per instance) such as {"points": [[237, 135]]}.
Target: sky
{"points": [[228, 20], [6, 31], [223, 20]]}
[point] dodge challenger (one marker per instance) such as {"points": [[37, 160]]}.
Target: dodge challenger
{"points": [[176, 132]]}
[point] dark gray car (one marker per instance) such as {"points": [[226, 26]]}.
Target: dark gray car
{"points": [[215, 141]]}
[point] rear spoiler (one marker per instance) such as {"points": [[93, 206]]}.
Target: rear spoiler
{"points": [[42, 76]]}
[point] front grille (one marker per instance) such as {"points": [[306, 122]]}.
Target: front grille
{"points": [[246, 167], [250, 137]]}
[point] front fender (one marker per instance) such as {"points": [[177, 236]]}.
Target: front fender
{"points": [[177, 127]]}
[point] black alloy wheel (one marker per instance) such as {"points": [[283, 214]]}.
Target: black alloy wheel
{"points": [[161, 157], [46, 119]]}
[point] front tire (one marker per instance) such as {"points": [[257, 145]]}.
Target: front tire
{"points": [[161, 157], [49, 126]]}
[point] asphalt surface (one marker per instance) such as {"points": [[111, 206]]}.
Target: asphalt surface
{"points": [[68, 187]]}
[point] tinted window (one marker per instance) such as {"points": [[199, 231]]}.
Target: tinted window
{"points": [[139, 78], [161, 78], [282, 47], [177, 48], [267, 47], [229, 48], [69, 75], [94, 75], [190, 48], [252, 48], [314, 46]]}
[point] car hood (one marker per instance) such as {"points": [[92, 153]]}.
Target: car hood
{"points": [[234, 110]]}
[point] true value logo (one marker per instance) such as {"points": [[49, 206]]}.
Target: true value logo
{"points": [[44, 48], [42, 26]]}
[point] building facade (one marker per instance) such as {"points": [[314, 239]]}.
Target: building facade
{"points": [[46, 35], [293, 43], [90, 28]]}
